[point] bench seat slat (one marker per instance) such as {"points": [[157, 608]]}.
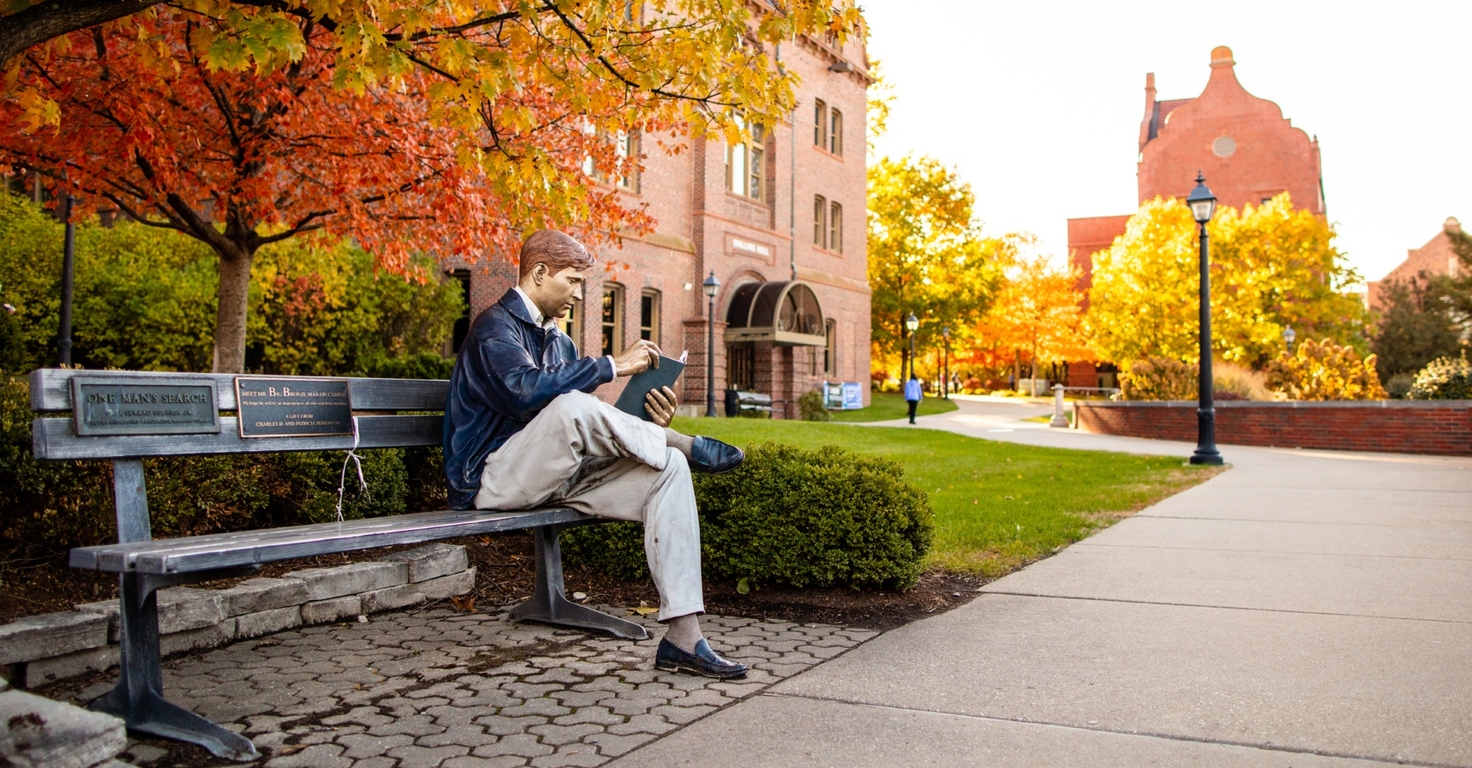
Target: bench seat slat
{"points": [[51, 390], [225, 550], [55, 438]]}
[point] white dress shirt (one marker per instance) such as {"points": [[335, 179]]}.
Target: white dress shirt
{"points": [[550, 323]]}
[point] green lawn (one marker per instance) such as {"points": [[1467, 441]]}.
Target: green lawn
{"points": [[998, 506], [892, 405]]}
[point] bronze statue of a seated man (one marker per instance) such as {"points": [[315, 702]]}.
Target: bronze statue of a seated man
{"points": [[523, 431]]}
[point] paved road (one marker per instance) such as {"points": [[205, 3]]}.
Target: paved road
{"points": [[1305, 608]]}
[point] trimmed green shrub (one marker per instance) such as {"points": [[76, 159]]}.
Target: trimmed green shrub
{"points": [[812, 407], [1445, 378], [805, 518]]}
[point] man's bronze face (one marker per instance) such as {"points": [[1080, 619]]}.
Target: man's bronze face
{"points": [[554, 294]]}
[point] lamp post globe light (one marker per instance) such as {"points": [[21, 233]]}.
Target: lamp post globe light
{"points": [[945, 383], [711, 285], [1288, 336], [1203, 205], [912, 323]]}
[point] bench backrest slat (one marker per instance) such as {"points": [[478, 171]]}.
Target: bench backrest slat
{"points": [[51, 390], [55, 438]]}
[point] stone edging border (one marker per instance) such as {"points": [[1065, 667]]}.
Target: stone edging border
{"points": [[39, 650]]}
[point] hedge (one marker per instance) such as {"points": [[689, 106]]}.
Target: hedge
{"points": [[791, 516]]}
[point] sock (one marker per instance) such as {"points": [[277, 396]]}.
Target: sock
{"points": [[683, 444], [684, 631]]}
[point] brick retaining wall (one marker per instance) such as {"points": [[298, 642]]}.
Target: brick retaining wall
{"points": [[1387, 426]]}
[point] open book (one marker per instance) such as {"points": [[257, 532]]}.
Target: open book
{"points": [[646, 381]]}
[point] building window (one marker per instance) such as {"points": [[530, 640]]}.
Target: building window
{"points": [[820, 123], [820, 221], [626, 146], [835, 132], [835, 228], [613, 318], [746, 165], [649, 316], [830, 349], [741, 366]]}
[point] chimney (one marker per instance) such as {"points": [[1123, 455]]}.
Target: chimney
{"points": [[1149, 109], [1221, 56], [1452, 226]]}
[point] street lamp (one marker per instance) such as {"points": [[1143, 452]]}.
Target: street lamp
{"points": [[1288, 336], [711, 285], [911, 324], [1203, 204], [68, 269], [945, 385]]}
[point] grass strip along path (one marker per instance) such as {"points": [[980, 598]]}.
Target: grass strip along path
{"points": [[998, 506], [892, 405]]}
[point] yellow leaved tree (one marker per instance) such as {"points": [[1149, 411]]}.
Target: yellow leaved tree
{"points": [[1271, 267]]}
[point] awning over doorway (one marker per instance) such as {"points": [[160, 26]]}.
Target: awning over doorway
{"points": [[785, 313]]}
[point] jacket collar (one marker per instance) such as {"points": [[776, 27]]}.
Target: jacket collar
{"points": [[516, 305]]}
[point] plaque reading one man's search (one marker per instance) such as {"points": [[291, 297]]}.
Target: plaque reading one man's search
{"points": [[114, 405], [293, 407]]}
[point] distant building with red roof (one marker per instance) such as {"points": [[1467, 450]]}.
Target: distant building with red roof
{"points": [[1435, 258], [1245, 147]]}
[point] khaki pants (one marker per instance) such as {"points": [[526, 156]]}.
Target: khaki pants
{"points": [[582, 453]]}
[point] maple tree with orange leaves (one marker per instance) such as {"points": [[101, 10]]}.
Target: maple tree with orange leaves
{"points": [[1038, 317], [412, 126]]}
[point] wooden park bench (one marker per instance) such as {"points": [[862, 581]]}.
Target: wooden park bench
{"points": [[134, 416]]}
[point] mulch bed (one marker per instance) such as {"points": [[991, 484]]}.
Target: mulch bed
{"points": [[505, 576]]}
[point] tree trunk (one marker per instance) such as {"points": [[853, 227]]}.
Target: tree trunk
{"points": [[234, 296], [54, 18]]}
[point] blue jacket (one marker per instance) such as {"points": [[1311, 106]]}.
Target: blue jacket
{"points": [[508, 370], [913, 392]]}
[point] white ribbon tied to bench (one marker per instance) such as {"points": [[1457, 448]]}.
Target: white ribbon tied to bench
{"points": [[342, 479]]}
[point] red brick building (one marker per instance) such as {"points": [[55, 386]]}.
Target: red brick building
{"points": [[1436, 257], [1245, 147], [781, 223]]}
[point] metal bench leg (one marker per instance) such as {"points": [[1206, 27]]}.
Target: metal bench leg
{"points": [[138, 697], [549, 604]]}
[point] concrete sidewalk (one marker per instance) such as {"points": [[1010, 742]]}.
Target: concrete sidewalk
{"points": [[1302, 609]]}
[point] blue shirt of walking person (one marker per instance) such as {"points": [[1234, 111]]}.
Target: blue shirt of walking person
{"points": [[912, 390]]}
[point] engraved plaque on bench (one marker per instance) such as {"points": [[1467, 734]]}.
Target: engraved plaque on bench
{"points": [[293, 407], [173, 405]]}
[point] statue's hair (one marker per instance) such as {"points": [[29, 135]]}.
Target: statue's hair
{"points": [[558, 250]]}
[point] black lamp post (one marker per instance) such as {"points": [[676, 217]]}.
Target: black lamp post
{"points": [[1203, 204], [912, 323], [945, 385], [1288, 336], [68, 268], [711, 285]]}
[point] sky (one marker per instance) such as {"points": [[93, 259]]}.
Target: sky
{"points": [[1038, 104]]}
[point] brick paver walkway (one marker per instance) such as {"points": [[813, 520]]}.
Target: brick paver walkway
{"points": [[441, 688]]}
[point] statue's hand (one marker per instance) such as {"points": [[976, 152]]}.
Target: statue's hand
{"points": [[638, 357], [661, 403]]}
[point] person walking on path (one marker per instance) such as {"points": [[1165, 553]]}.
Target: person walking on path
{"points": [[913, 395]]}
